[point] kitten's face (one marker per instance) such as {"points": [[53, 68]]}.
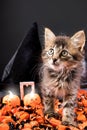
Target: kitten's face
{"points": [[63, 52]]}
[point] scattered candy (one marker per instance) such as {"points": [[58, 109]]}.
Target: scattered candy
{"points": [[31, 117]]}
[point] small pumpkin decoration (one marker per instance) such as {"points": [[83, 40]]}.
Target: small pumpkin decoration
{"points": [[32, 99], [11, 99]]}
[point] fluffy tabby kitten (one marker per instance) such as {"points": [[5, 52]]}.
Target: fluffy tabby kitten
{"points": [[62, 69]]}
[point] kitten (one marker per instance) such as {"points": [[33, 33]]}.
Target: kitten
{"points": [[62, 69]]}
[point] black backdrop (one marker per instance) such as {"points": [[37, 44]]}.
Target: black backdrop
{"points": [[17, 16]]}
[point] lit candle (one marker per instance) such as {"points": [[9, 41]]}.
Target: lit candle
{"points": [[31, 98], [11, 99]]}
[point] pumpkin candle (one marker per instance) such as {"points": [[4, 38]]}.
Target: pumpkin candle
{"points": [[31, 98], [11, 99]]}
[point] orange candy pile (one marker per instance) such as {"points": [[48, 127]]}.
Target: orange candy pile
{"points": [[31, 117]]}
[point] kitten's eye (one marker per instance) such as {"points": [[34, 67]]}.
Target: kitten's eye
{"points": [[64, 53], [51, 51]]}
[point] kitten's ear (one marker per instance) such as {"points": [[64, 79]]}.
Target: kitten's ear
{"points": [[49, 36], [78, 39]]}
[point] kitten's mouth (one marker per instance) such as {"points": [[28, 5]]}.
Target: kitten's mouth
{"points": [[57, 67]]}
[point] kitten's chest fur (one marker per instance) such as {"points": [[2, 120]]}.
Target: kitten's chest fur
{"points": [[57, 84]]}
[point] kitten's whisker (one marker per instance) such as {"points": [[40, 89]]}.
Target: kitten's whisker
{"points": [[34, 72]]}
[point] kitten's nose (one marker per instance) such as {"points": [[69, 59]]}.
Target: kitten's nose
{"points": [[54, 61]]}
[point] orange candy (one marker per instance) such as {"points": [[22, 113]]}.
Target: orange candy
{"points": [[84, 101], [81, 117], [4, 126], [54, 122]]}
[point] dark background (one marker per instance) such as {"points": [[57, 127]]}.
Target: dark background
{"points": [[17, 16]]}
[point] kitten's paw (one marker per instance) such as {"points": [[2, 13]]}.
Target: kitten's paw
{"points": [[67, 123], [52, 114]]}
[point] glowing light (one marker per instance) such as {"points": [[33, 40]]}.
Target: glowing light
{"points": [[11, 94], [32, 94]]}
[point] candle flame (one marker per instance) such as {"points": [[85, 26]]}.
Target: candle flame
{"points": [[32, 91], [11, 94], [32, 94]]}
